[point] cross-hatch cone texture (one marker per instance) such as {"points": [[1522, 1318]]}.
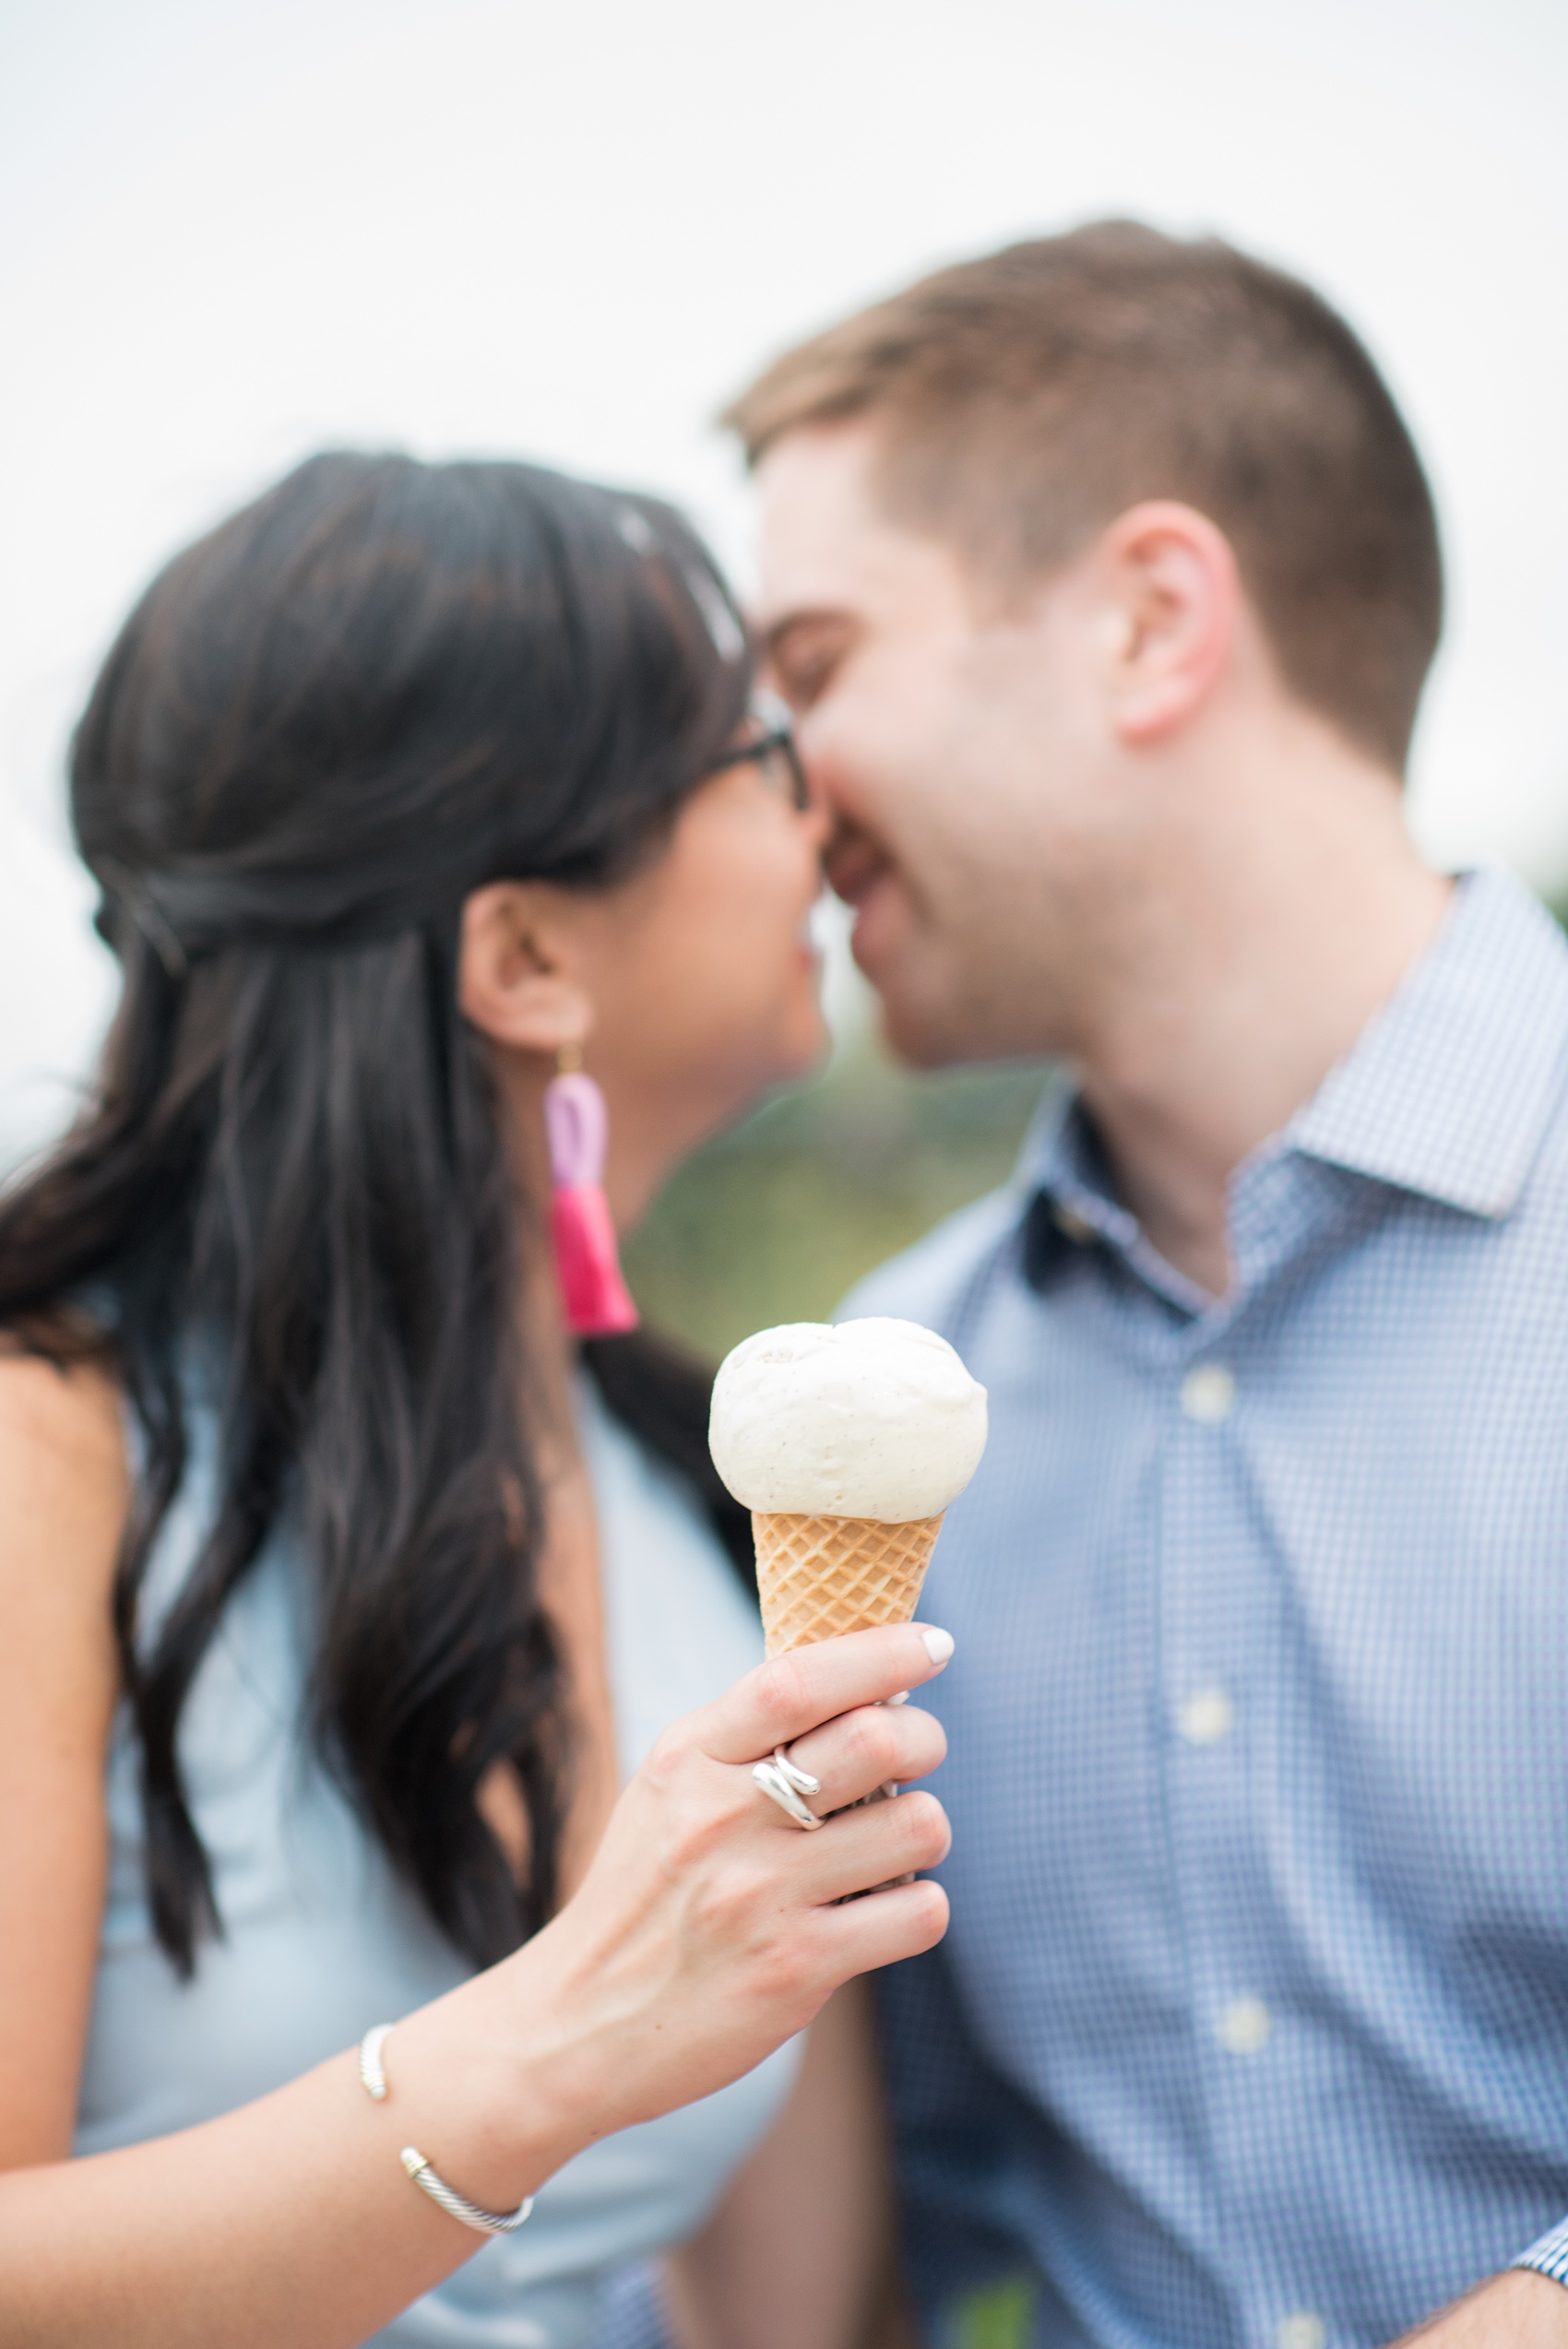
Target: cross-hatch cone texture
{"points": [[819, 1576]]}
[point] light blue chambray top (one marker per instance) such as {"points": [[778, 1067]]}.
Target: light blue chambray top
{"points": [[321, 1940], [1252, 2025]]}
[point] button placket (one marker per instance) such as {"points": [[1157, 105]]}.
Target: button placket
{"points": [[1207, 1395], [1220, 1640]]}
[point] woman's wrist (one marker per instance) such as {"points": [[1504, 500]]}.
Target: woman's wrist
{"points": [[485, 2084]]}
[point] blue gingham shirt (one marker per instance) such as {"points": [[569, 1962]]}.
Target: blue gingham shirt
{"points": [[1252, 2023]]}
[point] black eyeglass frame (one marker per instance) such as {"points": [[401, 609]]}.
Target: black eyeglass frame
{"points": [[777, 738]]}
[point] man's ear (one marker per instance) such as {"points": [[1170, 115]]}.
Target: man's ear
{"points": [[1173, 592], [514, 977]]}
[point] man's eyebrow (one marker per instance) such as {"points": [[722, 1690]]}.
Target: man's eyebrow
{"points": [[777, 632]]}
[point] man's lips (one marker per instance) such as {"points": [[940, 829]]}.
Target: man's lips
{"points": [[854, 865], [859, 872]]}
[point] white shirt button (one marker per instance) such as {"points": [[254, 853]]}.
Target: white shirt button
{"points": [[1244, 2027], [1209, 1393], [1206, 1716], [1302, 2328]]}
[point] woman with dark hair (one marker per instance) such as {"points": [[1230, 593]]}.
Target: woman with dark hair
{"points": [[346, 1600]]}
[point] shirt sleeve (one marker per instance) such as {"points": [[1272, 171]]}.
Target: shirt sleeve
{"points": [[1550, 2256]]}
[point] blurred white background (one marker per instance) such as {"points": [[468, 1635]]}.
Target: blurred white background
{"points": [[231, 231]]}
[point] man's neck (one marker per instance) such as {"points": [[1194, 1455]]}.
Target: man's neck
{"points": [[1292, 943]]}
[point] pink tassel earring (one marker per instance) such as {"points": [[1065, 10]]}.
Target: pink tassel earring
{"points": [[576, 1126]]}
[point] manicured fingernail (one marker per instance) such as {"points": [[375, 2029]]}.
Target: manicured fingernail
{"points": [[938, 1645], [902, 1698]]}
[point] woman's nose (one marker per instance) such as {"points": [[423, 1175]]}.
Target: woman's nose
{"points": [[816, 822]]}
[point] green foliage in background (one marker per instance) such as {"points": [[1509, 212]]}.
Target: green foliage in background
{"points": [[1000, 2317], [773, 1221]]}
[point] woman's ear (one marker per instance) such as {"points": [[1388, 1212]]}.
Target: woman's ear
{"points": [[1172, 584], [513, 979]]}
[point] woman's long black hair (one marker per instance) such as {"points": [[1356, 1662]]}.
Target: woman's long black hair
{"points": [[380, 686]]}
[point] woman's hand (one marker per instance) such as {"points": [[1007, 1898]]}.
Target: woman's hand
{"points": [[707, 1931]]}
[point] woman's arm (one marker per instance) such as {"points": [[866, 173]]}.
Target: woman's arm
{"points": [[705, 1932], [62, 1476], [799, 2254]]}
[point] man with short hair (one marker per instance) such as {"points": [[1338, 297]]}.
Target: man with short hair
{"points": [[1103, 578]]}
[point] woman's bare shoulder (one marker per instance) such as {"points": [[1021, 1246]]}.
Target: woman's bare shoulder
{"points": [[63, 1497], [66, 1398], [63, 1485]]}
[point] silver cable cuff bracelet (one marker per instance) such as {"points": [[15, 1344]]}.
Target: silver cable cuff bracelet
{"points": [[372, 2079]]}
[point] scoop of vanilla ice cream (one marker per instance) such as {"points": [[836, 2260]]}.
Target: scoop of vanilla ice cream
{"points": [[873, 1419]]}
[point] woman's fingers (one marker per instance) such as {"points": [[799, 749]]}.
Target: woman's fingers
{"points": [[872, 1844], [782, 1701], [899, 1923], [865, 1749]]}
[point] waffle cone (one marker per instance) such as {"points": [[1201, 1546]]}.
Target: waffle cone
{"points": [[819, 1576]]}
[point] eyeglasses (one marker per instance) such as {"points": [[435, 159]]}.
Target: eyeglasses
{"points": [[778, 762]]}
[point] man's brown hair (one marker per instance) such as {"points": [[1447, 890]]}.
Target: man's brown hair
{"points": [[1026, 399]]}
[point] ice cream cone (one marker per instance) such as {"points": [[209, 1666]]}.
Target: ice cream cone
{"points": [[819, 1576]]}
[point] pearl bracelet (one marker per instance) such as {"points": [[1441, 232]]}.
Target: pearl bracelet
{"points": [[372, 2079]]}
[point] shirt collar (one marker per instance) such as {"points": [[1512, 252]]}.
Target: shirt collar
{"points": [[1065, 1188], [1446, 1092], [1449, 1089], [1057, 1150]]}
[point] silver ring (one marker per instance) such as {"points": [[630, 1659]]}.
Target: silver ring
{"points": [[783, 1782]]}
